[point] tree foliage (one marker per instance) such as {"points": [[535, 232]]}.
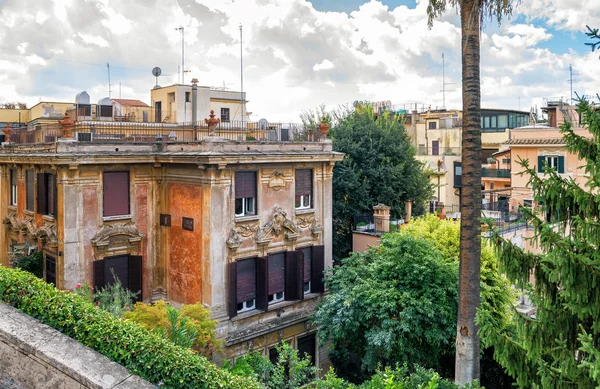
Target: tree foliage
{"points": [[559, 346], [13, 105], [379, 167]]}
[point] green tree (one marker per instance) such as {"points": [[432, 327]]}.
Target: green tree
{"points": [[559, 346], [379, 167], [472, 12]]}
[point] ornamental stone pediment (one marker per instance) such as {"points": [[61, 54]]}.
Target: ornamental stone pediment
{"points": [[280, 224], [116, 239]]}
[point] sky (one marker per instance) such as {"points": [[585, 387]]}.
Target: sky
{"points": [[297, 54]]}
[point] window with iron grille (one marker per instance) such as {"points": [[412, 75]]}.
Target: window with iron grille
{"points": [[304, 188], [224, 114], [116, 193], [245, 194]]}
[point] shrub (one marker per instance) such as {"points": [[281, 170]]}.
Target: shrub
{"points": [[141, 352], [191, 319], [114, 298], [33, 263]]}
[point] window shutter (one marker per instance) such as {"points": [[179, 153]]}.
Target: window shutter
{"points": [[318, 269], [117, 268], [245, 184], [99, 274], [561, 164], [116, 193], [307, 347], [50, 270], [291, 276], [307, 254], [541, 163], [300, 273], [51, 203], [232, 306], [134, 276], [303, 182], [262, 283], [42, 190], [276, 273], [246, 279], [30, 177]]}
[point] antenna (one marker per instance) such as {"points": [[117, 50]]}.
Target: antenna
{"points": [[180, 28], [242, 74], [571, 82], [108, 67], [444, 83]]}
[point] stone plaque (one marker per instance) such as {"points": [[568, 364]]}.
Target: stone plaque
{"points": [[187, 224], [165, 220]]}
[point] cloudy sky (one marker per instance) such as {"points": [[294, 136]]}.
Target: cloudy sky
{"points": [[297, 53]]}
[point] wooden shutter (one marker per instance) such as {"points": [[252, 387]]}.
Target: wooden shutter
{"points": [[116, 193], [50, 270], [300, 271], [245, 184], [541, 163], [307, 347], [99, 274], [51, 194], [276, 273], [561, 164], [246, 279], [30, 179], [307, 271], [42, 191], [262, 283], [232, 301], [292, 291], [117, 268], [303, 182], [134, 276], [318, 269]]}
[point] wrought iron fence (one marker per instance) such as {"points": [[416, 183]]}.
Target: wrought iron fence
{"points": [[368, 223]]}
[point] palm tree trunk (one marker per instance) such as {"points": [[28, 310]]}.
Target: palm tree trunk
{"points": [[467, 340]]}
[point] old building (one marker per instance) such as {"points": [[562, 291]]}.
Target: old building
{"points": [[179, 213]]}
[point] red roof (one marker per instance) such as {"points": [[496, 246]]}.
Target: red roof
{"points": [[130, 103]]}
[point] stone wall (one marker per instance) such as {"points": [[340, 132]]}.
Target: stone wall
{"points": [[34, 355]]}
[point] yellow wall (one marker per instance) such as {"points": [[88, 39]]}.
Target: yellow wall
{"points": [[12, 115], [495, 138], [45, 110]]}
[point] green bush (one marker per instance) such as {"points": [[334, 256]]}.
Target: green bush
{"points": [[33, 263], [141, 352]]}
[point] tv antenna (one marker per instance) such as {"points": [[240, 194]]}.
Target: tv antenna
{"points": [[444, 83], [109, 84], [180, 28]]}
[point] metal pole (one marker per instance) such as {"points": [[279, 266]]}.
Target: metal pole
{"points": [[108, 67], [182, 57], [443, 81], [571, 82], [242, 74]]}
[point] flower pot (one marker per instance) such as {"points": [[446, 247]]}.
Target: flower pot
{"points": [[441, 215]]}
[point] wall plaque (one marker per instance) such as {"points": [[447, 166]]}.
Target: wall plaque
{"points": [[165, 220], [187, 223]]}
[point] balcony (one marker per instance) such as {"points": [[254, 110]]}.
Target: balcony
{"points": [[438, 151], [495, 173]]}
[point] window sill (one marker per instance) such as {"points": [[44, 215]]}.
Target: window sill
{"points": [[240, 219], [273, 307], [304, 211], [48, 218], [12, 207], [28, 212], [118, 217]]}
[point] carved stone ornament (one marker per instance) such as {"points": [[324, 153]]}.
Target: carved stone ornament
{"points": [[316, 228], [47, 234], [234, 241], [117, 238], [11, 222], [276, 181], [277, 226], [552, 151], [246, 230], [305, 221]]}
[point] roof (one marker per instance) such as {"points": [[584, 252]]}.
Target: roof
{"points": [[530, 141], [130, 103], [504, 151]]}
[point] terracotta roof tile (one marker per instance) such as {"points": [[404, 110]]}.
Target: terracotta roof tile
{"points": [[529, 141], [130, 103]]}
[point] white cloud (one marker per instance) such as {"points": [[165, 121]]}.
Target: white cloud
{"points": [[325, 65], [93, 39], [563, 14]]}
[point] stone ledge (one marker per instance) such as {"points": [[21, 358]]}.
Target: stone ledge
{"points": [[53, 357]]}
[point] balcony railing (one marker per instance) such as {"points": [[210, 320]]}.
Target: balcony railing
{"points": [[438, 151], [96, 131], [495, 173], [366, 223]]}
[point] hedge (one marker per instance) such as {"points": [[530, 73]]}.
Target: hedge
{"points": [[141, 352]]}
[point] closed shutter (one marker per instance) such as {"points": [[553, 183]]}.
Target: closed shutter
{"points": [[246, 280], [262, 283], [30, 179], [303, 182], [99, 274], [51, 182], [42, 191], [117, 268], [116, 193], [301, 271], [232, 301], [245, 185], [134, 276], [318, 269], [561, 164], [292, 286], [541, 163], [276, 273], [307, 254], [50, 270]]}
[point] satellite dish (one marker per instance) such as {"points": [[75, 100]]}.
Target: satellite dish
{"points": [[262, 124], [156, 71]]}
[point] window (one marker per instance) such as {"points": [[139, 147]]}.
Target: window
{"points": [[303, 188], [29, 190], [502, 121], [527, 203], [224, 114], [13, 187], [46, 194], [187, 97], [435, 147], [486, 122], [50, 265], [257, 283], [126, 268], [494, 124], [116, 193], [307, 348], [245, 194], [552, 161], [432, 125]]}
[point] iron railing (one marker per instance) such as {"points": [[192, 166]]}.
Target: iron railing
{"points": [[438, 151], [495, 173], [368, 223]]}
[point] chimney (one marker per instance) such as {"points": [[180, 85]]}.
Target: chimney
{"points": [[381, 216], [194, 101]]}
